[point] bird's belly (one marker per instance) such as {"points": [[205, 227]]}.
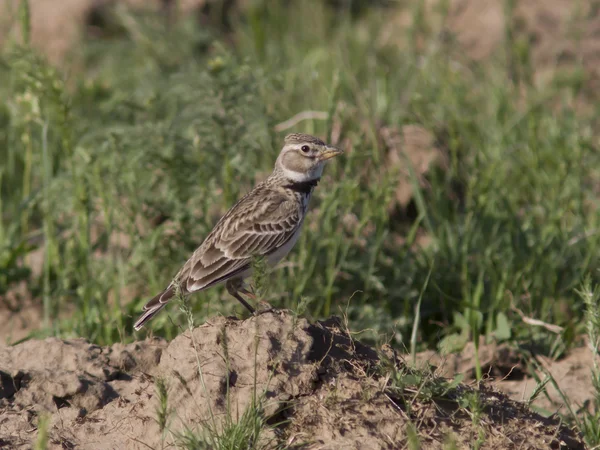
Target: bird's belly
{"points": [[282, 251]]}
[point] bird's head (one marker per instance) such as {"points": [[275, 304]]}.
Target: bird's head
{"points": [[303, 157]]}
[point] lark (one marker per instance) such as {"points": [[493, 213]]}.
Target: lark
{"points": [[266, 222]]}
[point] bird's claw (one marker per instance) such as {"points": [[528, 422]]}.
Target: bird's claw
{"points": [[263, 307]]}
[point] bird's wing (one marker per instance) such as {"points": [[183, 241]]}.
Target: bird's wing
{"points": [[257, 225]]}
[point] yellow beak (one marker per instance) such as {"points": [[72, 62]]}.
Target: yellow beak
{"points": [[330, 152]]}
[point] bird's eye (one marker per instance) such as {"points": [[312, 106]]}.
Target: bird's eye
{"points": [[305, 149]]}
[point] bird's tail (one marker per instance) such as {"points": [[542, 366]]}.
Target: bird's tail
{"points": [[154, 306]]}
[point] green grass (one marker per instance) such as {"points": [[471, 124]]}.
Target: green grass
{"points": [[118, 170], [118, 167]]}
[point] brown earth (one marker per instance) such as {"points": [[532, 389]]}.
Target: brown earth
{"points": [[325, 390], [18, 322]]}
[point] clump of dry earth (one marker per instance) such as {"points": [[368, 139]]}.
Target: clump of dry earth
{"points": [[323, 389]]}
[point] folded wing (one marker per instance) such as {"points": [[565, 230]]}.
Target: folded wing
{"points": [[250, 229]]}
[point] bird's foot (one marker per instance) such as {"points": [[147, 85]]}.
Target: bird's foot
{"points": [[263, 307]]}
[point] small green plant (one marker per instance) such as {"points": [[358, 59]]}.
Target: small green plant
{"points": [[41, 442], [260, 276], [414, 442], [242, 434], [540, 388], [590, 421], [417, 320], [450, 443], [163, 411], [412, 384], [587, 417], [406, 386], [470, 401]]}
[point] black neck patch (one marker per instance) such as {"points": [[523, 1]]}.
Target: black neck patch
{"points": [[304, 187]]}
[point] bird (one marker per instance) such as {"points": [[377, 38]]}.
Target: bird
{"points": [[266, 223]]}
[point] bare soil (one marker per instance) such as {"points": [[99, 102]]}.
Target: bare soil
{"points": [[325, 390], [18, 320]]}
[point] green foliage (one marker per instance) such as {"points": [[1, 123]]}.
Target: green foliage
{"points": [[12, 269], [25, 21], [260, 275], [408, 386], [413, 383], [413, 438], [243, 433]]}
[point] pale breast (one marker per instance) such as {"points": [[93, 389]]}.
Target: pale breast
{"points": [[282, 251]]}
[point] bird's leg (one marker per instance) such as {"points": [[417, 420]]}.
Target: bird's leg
{"points": [[263, 306], [244, 302], [249, 292], [233, 286], [267, 309]]}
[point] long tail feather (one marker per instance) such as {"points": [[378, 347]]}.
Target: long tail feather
{"points": [[154, 306], [147, 316]]}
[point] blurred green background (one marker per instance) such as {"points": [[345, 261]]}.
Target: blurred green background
{"points": [[470, 184]]}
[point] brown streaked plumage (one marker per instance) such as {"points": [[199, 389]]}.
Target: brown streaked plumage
{"points": [[265, 222]]}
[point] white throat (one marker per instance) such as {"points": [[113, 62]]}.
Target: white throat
{"points": [[301, 177]]}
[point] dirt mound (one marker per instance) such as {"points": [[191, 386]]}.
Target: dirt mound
{"points": [[317, 387]]}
